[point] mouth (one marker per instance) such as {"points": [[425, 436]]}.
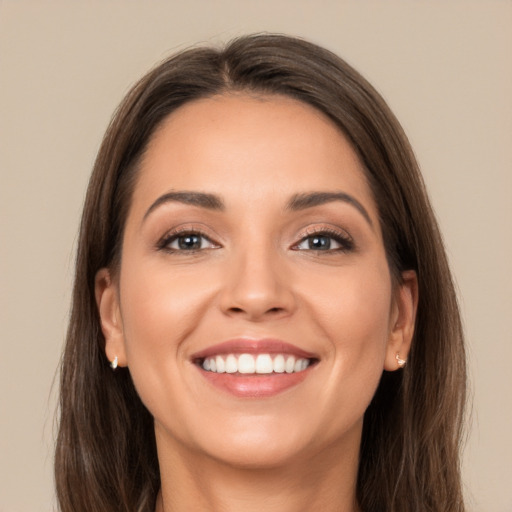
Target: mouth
{"points": [[254, 368], [260, 364]]}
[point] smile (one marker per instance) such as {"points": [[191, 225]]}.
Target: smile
{"points": [[248, 368], [260, 364]]}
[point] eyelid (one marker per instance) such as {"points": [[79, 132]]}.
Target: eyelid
{"points": [[174, 233], [339, 235]]}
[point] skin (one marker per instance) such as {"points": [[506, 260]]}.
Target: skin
{"points": [[255, 276]]}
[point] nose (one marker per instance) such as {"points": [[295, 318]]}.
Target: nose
{"points": [[257, 286]]}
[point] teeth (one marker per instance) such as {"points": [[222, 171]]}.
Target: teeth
{"points": [[231, 364], [279, 364], [246, 364], [296, 368], [260, 364], [264, 364], [220, 364]]}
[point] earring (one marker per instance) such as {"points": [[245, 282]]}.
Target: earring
{"points": [[401, 362], [113, 363]]}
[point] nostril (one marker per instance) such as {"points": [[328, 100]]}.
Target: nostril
{"points": [[250, 311]]}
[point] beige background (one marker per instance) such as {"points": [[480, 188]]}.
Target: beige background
{"points": [[445, 68]]}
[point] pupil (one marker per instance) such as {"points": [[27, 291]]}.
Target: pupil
{"points": [[189, 242], [320, 242]]}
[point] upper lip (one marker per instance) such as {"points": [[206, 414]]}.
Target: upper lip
{"points": [[253, 346]]}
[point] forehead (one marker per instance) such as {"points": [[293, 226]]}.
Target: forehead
{"points": [[245, 146]]}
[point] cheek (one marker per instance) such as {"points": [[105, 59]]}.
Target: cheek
{"points": [[159, 305], [353, 306], [159, 311], [352, 312]]}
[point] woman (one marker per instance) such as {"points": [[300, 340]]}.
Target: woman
{"points": [[263, 314]]}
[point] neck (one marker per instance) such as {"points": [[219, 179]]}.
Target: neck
{"points": [[325, 482]]}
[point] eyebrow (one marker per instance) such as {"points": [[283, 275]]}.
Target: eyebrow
{"points": [[201, 199], [312, 199], [296, 203]]}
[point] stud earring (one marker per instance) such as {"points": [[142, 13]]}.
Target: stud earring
{"points": [[113, 364], [401, 362]]}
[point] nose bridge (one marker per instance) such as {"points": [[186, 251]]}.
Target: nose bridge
{"points": [[256, 283]]}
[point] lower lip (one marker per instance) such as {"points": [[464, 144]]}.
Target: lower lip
{"points": [[254, 385]]}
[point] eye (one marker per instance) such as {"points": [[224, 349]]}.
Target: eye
{"points": [[325, 241], [186, 241]]}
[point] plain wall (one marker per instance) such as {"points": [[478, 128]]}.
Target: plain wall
{"points": [[443, 66]]}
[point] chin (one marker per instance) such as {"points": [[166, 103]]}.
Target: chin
{"points": [[250, 442], [255, 454]]}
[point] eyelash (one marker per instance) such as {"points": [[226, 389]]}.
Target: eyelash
{"points": [[344, 240], [169, 238]]}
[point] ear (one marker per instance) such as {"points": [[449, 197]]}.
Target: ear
{"points": [[403, 317], [107, 300]]}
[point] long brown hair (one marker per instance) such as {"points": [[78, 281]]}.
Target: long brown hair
{"points": [[106, 454]]}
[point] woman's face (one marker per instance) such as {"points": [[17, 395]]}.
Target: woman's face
{"points": [[254, 305]]}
